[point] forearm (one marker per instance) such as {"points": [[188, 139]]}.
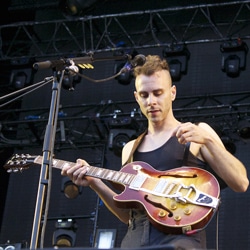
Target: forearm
{"points": [[228, 167], [106, 194]]}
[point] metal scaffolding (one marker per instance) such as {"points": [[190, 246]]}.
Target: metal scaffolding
{"points": [[90, 124], [78, 36]]}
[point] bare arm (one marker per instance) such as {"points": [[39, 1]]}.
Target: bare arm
{"points": [[106, 194], [207, 145]]}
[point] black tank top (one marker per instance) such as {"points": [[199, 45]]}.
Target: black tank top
{"points": [[171, 155]]}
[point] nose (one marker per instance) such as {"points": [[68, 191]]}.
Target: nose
{"points": [[151, 99]]}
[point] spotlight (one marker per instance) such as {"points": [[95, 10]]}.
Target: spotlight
{"points": [[65, 233], [20, 78], [75, 7], [9, 246], [70, 190], [233, 57], [118, 138], [121, 131], [177, 57], [126, 76], [244, 129]]}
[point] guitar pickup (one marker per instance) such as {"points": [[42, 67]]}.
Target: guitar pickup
{"points": [[138, 181]]}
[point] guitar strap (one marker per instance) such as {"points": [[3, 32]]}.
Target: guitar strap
{"points": [[138, 142]]}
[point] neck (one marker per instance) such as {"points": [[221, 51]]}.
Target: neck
{"points": [[162, 127]]}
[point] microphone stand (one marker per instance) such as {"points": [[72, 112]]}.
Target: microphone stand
{"points": [[46, 165], [58, 67]]}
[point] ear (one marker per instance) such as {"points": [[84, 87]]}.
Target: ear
{"points": [[173, 92], [136, 96]]}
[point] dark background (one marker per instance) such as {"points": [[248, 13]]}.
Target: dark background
{"points": [[204, 85]]}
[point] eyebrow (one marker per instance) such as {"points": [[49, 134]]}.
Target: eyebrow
{"points": [[155, 90]]}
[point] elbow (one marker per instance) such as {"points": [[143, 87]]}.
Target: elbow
{"points": [[245, 186], [242, 186]]}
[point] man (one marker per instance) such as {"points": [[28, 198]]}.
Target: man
{"points": [[163, 147]]}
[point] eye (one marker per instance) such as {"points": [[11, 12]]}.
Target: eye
{"points": [[158, 92], [143, 94]]}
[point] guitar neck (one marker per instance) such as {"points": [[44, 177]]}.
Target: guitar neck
{"points": [[101, 173]]}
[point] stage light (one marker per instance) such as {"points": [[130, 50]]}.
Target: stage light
{"points": [[118, 138], [233, 57], [125, 77], [122, 130], [70, 189], [105, 238], [65, 233], [177, 57], [75, 7], [20, 78], [244, 129], [9, 246]]}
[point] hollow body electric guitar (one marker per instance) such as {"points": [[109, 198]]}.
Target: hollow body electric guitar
{"points": [[177, 201]]}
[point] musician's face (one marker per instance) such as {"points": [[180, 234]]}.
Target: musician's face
{"points": [[155, 94]]}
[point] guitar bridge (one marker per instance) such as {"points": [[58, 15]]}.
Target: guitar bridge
{"points": [[201, 199]]}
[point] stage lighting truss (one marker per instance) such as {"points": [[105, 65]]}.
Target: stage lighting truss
{"points": [[233, 57]]}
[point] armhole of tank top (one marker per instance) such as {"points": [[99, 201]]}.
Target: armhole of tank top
{"points": [[186, 153], [135, 146]]}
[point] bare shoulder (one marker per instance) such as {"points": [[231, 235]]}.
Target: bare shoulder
{"points": [[208, 128], [126, 151], [205, 125]]}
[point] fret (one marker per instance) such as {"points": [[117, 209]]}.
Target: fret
{"points": [[122, 177], [54, 162], [91, 171], [128, 178], [99, 172], [64, 164], [110, 174], [116, 176]]}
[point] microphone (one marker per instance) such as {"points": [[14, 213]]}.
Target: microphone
{"points": [[60, 64], [138, 60]]}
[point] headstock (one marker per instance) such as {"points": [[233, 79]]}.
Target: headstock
{"points": [[19, 162]]}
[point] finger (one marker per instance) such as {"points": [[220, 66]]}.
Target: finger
{"points": [[82, 170], [175, 131]]}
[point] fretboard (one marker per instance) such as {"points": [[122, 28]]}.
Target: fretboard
{"points": [[101, 173]]}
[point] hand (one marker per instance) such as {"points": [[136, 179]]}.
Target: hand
{"points": [[189, 132], [77, 173]]}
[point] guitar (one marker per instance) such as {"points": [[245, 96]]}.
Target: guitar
{"points": [[181, 200]]}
